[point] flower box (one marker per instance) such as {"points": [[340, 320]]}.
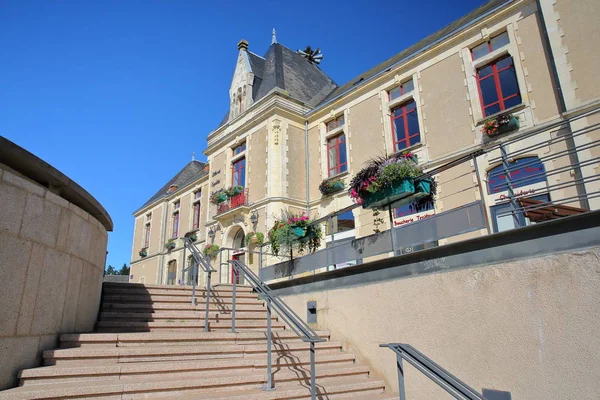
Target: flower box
{"points": [[143, 253], [330, 186], [501, 124], [398, 190]]}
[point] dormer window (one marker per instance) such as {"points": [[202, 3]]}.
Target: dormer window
{"points": [[172, 188]]}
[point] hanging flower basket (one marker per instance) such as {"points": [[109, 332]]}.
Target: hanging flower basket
{"points": [[294, 232], [390, 180], [211, 250], [501, 124], [255, 237]]}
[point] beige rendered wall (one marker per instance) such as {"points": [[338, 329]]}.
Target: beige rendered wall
{"points": [[535, 62], [365, 132], [257, 166], [578, 22], [527, 327], [314, 163], [52, 257], [445, 110], [296, 168]]}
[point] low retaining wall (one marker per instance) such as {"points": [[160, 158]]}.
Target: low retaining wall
{"points": [[516, 312], [52, 255]]}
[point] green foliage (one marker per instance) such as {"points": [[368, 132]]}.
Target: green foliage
{"points": [[170, 245], [110, 271], [124, 270], [377, 220], [211, 250], [294, 232], [260, 237]]}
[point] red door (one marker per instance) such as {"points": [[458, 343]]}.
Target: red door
{"points": [[235, 257]]}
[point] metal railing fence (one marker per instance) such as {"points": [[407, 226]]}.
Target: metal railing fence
{"points": [[292, 320], [198, 261], [450, 383]]}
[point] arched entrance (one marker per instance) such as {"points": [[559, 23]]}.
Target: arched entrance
{"points": [[238, 243]]}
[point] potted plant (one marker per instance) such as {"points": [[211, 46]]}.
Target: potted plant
{"points": [[234, 191], [500, 124], [255, 238], [170, 245], [330, 186], [192, 235], [143, 252], [394, 179], [294, 232], [218, 197], [211, 250]]}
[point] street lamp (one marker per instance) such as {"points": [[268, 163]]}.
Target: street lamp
{"points": [[254, 218]]}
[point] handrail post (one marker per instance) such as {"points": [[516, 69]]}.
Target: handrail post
{"points": [[206, 312], [511, 192], [194, 267], [313, 391], [183, 264], [401, 389], [233, 298], [269, 340], [221, 266]]}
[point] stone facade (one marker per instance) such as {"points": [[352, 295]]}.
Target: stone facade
{"points": [[442, 75], [52, 256]]}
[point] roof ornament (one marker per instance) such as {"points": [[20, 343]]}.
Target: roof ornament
{"points": [[273, 37], [313, 56], [193, 156]]}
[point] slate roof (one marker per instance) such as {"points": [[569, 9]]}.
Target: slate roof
{"points": [[285, 69], [416, 48], [192, 171]]}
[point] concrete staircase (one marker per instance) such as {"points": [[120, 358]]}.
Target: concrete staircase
{"points": [[151, 343]]}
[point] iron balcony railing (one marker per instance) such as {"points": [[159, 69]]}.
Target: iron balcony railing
{"points": [[450, 383], [239, 200]]}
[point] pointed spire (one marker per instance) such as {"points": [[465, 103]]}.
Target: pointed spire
{"points": [[193, 156], [273, 37]]}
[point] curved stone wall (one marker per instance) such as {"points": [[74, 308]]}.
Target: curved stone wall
{"points": [[52, 256]]}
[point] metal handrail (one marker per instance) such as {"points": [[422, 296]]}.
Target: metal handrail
{"points": [[298, 326], [450, 383], [198, 260]]}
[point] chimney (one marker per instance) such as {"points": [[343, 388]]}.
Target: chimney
{"points": [[243, 45]]}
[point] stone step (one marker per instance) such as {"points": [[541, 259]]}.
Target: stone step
{"points": [[141, 286], [135, 307], [182, 315], [194, 369], [119, 298], [175, 338], [346, 379], [113, 355], [181, 325], [200, 292]]}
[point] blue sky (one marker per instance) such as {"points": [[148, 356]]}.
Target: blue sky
{"points": [[118, 94]]}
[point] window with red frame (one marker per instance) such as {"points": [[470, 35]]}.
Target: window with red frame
{"points": [[337, 160], [239, 173], [147, 235], [498, 86], [405, 125], [238, 149], [398, 91], [196, 221], [497, 81], [175, 225], [335, 123]]}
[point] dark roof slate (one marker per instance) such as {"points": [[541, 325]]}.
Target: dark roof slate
{"points": [[287, 70], [192, 171], [416, 48]]}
